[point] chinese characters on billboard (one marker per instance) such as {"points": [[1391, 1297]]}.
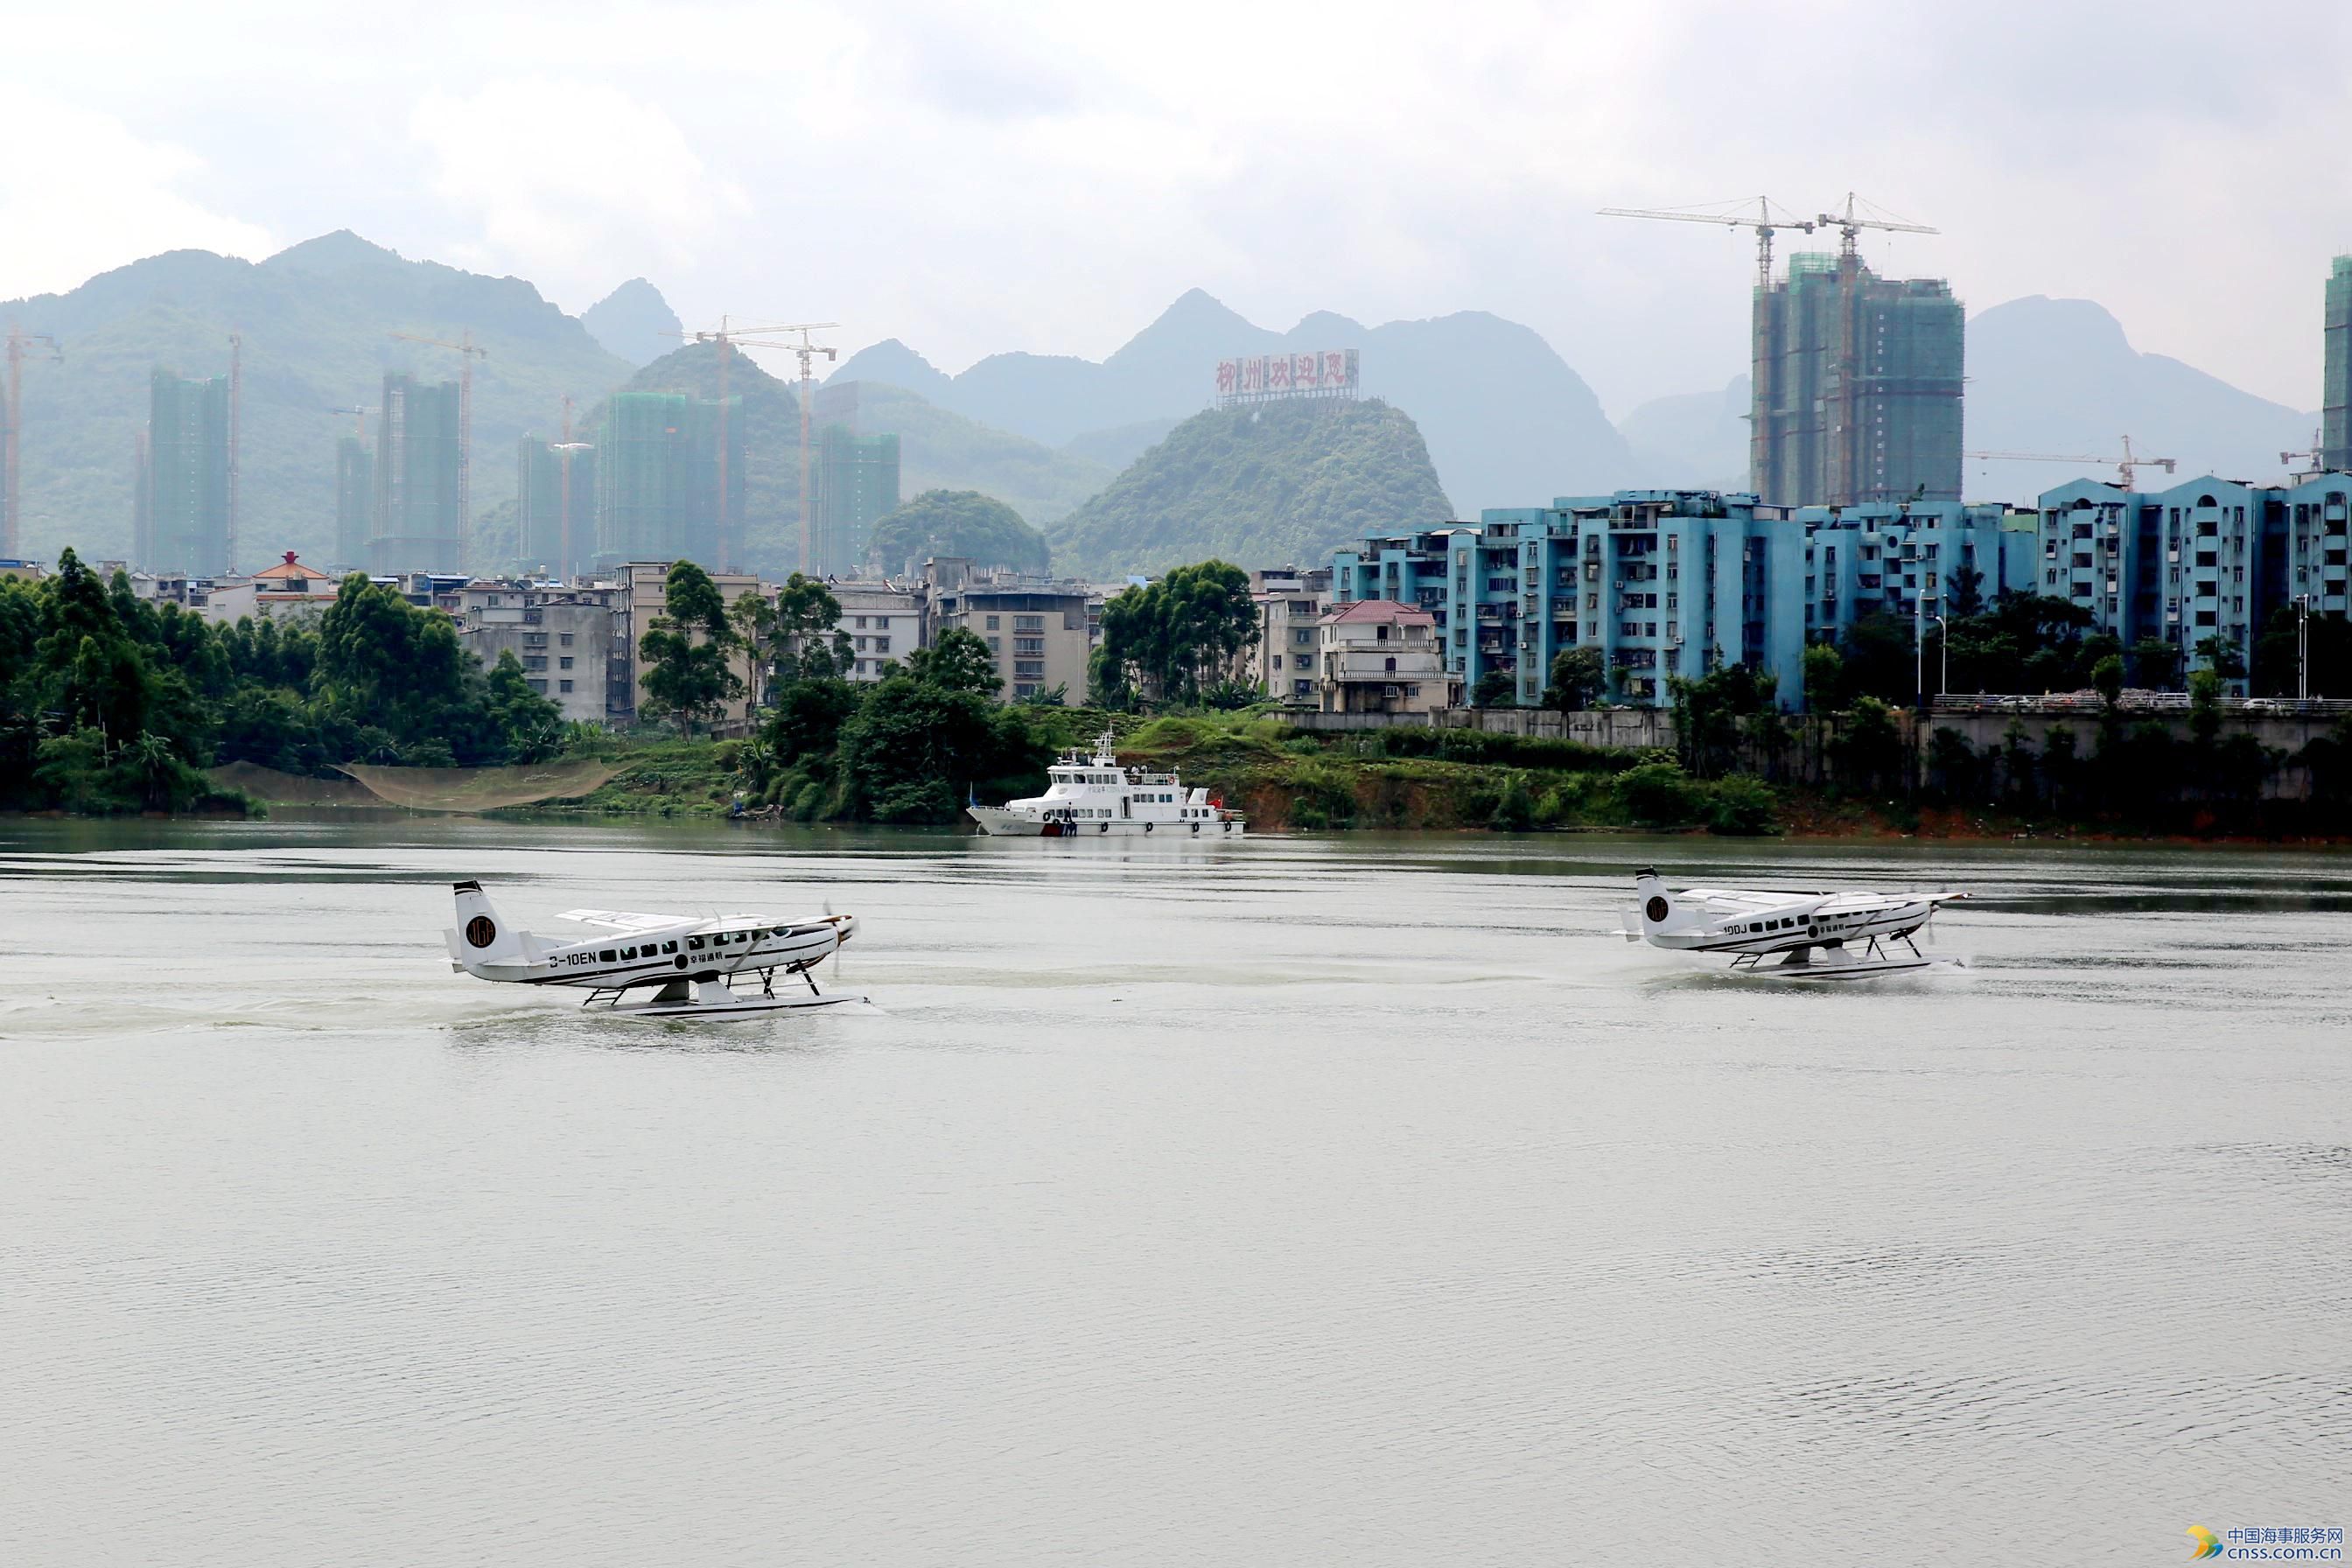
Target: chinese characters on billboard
{"points": [[1325, 374]]}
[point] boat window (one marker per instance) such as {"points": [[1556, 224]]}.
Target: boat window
{"points": [[607, 956]]}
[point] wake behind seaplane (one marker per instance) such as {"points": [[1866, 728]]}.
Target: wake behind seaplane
{"points": [[1818, 935], [691, 965]]}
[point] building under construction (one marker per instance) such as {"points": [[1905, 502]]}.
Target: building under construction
{"points": [[1857, 386], [182, 518], [658, 475], [856, 483], [418, 453], [555, 502], [354, 503], [2336, 388]]}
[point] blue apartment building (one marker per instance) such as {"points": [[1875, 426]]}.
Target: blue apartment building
{"points": [[1667, 583], [2209, 558]]}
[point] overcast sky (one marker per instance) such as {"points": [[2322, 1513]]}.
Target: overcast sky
{"points": [[1049, 176]]}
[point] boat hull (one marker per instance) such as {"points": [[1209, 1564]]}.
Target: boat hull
{"points": [[997, 822]]}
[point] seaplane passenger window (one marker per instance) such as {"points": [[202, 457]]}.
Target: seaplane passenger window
{"points": [[607, 956], [669, 947], [694, 944]]}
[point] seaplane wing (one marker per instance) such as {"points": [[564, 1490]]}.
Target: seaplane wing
{"points": [[622, 920]]}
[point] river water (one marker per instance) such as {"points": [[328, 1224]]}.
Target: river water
{"points": [[1350, 1199]]}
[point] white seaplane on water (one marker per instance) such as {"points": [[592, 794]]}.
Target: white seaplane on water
{"points": [[692, 966], [1094, 797], [1817, 936]]}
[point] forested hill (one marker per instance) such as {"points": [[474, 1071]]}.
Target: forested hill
{"points": [[1274, 485]]}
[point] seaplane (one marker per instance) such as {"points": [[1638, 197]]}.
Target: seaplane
{"points": [[693, 967], [1814, 935]]}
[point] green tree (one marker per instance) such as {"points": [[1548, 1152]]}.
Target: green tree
{"points": [[957, 524], [2107, 680], [1495, 690], [957, 662], [1577, 676], [752, 625], [1824, 678], [2155, 663], [687, 651], [806, 633], [1176, 637]]}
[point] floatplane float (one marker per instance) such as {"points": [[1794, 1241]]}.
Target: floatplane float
{"points": [[1815, 935], [694, 968]]}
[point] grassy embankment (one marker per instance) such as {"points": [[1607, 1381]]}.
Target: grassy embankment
{"points": [[1286, 779]]}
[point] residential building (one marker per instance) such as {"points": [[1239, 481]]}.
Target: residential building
{"points": [[181, 517], [287, 591], [555, 507], [15, 570], [883, 623], [1668, 582], [658, 475], [641, 598], [1040, 629], [857, 484], [1290, 601], [1381, 657], [563, 637], [418, 452], [2335, 374], [2206, 560], [426, 590], [354, 503], [1857, 384]]}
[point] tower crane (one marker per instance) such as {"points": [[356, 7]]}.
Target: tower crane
{"points": [[468, 352], [13, 415], [729, 338], [2129, 465], [359, 416], [1849, 224], [1766, 219]]}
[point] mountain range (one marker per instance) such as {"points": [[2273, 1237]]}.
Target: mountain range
{"points": [[1504, 416], [1506, 421]]}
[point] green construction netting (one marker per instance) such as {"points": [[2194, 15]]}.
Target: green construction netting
{"points": [[420, 789]]}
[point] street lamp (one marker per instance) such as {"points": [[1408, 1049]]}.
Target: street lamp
{"points": [[1944, 650], [2303, 648]]}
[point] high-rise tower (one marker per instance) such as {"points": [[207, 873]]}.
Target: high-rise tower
{"points": [[416, 463], [551, 476], [1857, 386], [187, 522], [2335, 385]]}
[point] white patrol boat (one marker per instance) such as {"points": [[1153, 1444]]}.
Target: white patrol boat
{"points": [[1815, 935], [691, 965], [1094, 797]]}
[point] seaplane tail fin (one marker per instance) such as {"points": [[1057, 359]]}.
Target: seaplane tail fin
{"points": [[1657, 908], [481, 935]]}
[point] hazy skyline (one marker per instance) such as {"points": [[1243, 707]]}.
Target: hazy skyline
{"points": [[1050, 178]]}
